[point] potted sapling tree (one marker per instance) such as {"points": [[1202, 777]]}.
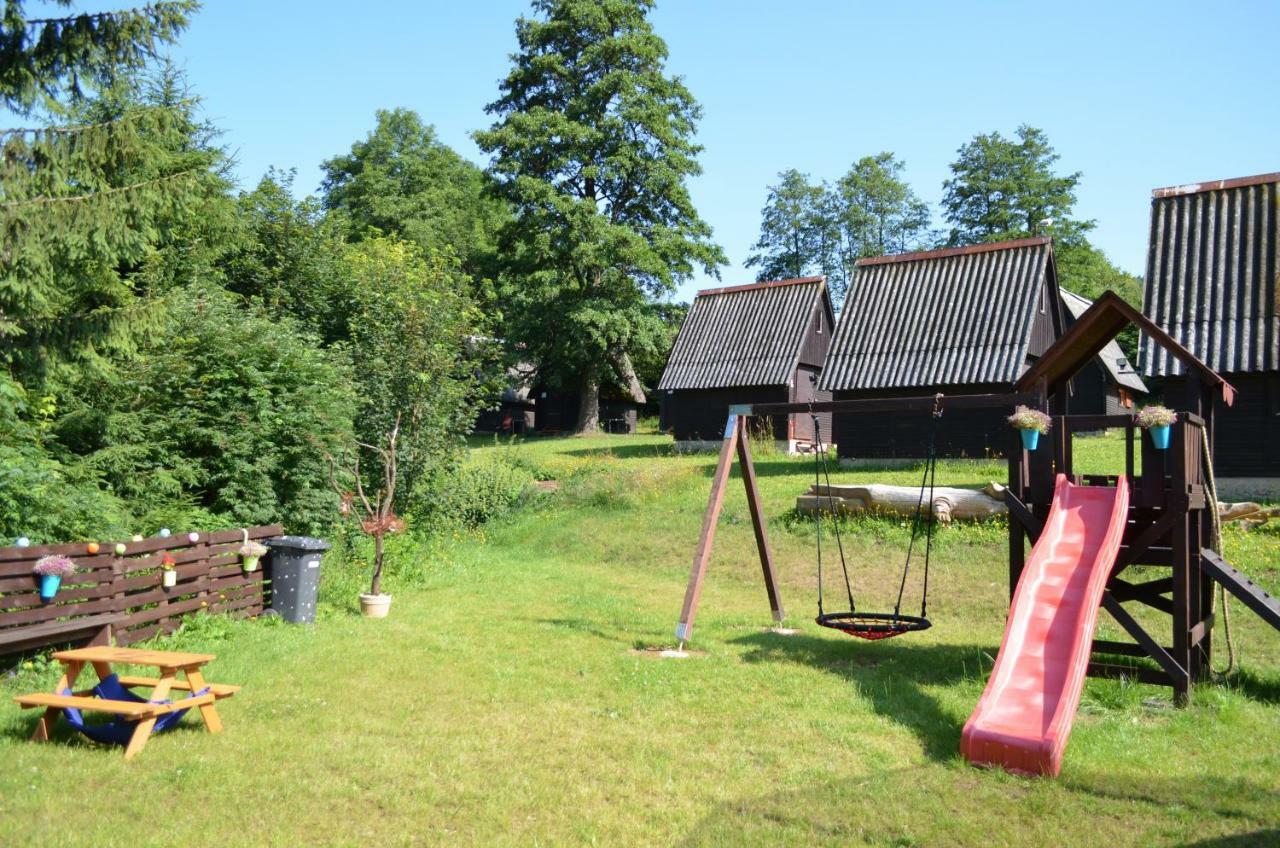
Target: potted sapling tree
{"points": [[52, 570], [1157, 420], [1031, 423], [373, 511]]}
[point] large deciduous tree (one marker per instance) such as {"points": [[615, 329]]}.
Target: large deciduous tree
{"points": [[877, 213], [592, 147], [1004, 188], [403, 181], [794, 224]]}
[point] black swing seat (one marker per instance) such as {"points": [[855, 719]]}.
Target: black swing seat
{"points": [[873, 625]]}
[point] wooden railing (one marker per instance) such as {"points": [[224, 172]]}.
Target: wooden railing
{"points": [[125, 591]]}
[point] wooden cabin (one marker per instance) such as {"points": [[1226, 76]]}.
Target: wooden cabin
{"points": [[760, 343], [556, 410], [1109, 383], [514, 412], [961, 320], [1213, 280]]}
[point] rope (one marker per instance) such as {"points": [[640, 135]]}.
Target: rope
{"points": [[1211, 489], [820, 461], [930, 473]]}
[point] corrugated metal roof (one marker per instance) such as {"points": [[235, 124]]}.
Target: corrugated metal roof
{"points": [[1111, 357], [1213, 274], [942, 317], [744, 335]]}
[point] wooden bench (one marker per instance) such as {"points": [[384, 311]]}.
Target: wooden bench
{"points": [[92, 629], [144, 714]]}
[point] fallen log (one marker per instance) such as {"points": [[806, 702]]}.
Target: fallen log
{"points": [[948, 503]]}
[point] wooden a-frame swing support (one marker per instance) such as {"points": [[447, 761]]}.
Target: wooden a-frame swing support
{"points": [[736, 440]]}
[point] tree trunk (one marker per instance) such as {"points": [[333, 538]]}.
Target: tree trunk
{"points": [[376, 588], [589, 403]]}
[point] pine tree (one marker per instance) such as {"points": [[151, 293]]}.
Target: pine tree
{"points": [[82, 205], [592, 149]]}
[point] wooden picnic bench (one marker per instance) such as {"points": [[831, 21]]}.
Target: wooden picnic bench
{"points": [[144, 714]]}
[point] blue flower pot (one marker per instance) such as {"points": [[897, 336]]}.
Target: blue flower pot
{"points": [[1030, 439], [49, 584], [1160, 436]]}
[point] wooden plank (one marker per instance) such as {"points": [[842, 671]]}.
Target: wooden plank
{"points": [[758, 522], [702, 554], [101, 705], [1176, 671], [1133, 550], [1126, 672], [208, 711], [1031, 525], [136, 656], [907, 404], [219, 690], [154, 543]]}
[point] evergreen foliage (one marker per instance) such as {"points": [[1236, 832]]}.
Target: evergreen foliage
{"points": [[44, 60], [592, 148], [220, 419]]}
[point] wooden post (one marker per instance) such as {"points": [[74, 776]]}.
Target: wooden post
{"points": [[758, 523], [1181, 550], [1018, 472], [701, 556]]}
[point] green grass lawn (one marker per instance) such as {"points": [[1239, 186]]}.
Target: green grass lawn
{"points": [[509, 699]]}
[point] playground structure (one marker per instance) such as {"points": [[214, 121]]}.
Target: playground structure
{"points": [[1090, 534]]}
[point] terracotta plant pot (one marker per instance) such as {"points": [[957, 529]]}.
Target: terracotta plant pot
{"points": [[374, 606]]}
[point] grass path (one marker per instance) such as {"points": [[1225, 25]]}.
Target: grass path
{"points": [[504, 703]]}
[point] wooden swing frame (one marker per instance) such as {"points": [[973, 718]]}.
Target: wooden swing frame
{"points": [[736, 440]]}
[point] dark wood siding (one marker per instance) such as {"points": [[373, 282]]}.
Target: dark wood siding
{"points": [[1093, 392], [700, 414], [805, 390], [1247, 442], [975, 433], [813, 351], [521, 413], [557, 412]]}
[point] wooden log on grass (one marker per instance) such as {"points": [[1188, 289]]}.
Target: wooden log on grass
{"points": [[948, 503]]}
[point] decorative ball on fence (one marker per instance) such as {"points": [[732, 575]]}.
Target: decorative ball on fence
{"points": [[121, 547], [93, 547], [165, 533], [24, 542], [193, 537]]}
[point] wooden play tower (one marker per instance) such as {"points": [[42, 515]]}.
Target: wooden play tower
{"points": [[1168, 558]]}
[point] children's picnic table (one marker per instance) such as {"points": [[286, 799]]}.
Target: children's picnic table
{"points": [[168, 663]]}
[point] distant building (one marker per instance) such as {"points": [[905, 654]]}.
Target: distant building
{"points": [[964, 320], [759, 343], [556, 410], [1213, 280], [514, 412], [1108, 384]]}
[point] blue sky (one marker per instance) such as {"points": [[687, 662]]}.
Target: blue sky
{"points": [[1134, 95]]}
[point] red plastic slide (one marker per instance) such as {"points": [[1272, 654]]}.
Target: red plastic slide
{"points": [[1024, 716]]}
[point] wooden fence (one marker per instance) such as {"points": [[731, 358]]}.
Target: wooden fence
{"points": [[124, 592]]}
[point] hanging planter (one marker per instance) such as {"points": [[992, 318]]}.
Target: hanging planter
{"points": [[1158, 421], [250, 554], [168, 572], [51, 570], [1031, 423]]}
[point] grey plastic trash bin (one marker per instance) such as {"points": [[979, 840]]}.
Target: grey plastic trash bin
{"points": [[294, 569]]}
